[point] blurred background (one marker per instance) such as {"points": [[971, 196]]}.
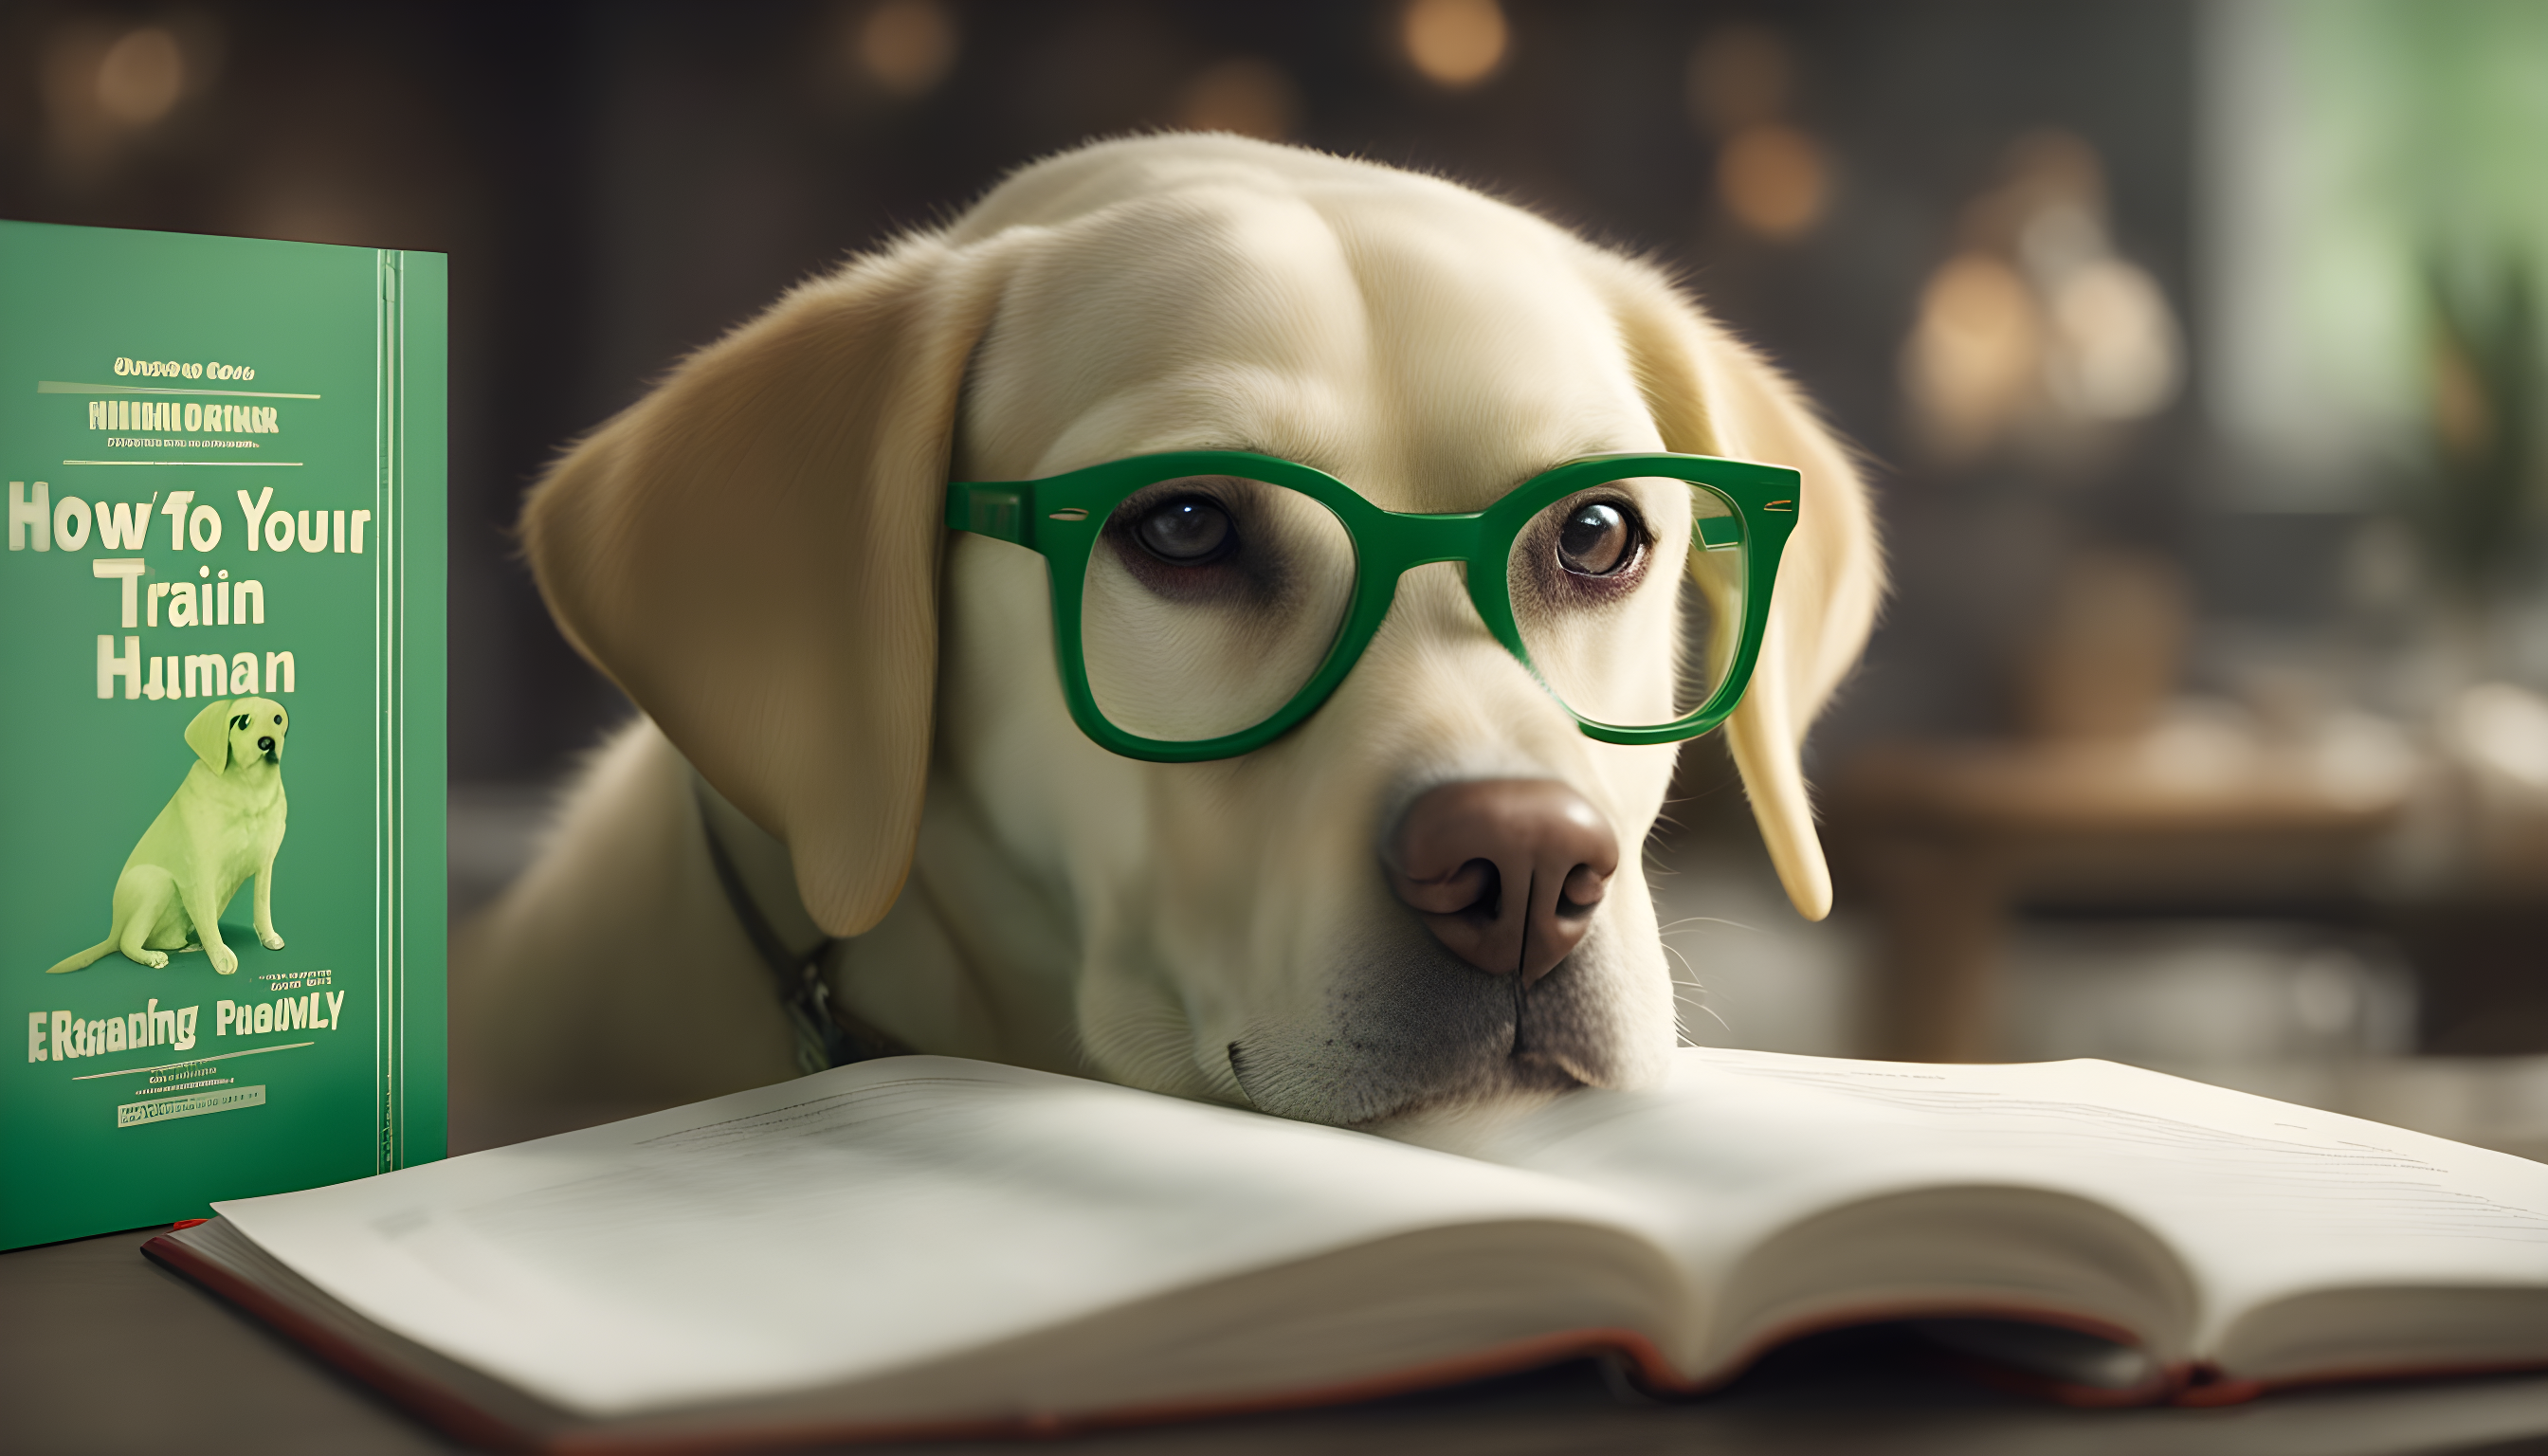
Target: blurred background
{"points": [[2196, 349]]}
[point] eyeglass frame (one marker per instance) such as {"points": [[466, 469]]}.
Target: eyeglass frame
{"points": [[1064, 517]]}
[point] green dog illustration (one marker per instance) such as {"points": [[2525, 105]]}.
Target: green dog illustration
{"points": [[223, 824]]}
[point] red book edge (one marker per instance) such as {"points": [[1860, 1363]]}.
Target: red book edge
{"points": [[458, 1418], [438, 1407], [2195, 1385]]}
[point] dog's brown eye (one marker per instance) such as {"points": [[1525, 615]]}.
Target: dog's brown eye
{"points": [[1190, 530], [1598, 539]]}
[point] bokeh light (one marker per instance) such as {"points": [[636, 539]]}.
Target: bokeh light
{"points": [[1247, 95], [140, 77], [1773, 179], [1974, 353], [1455, 43], [2506, 730], [2035, 326], [2116, 353], [906, 46]]}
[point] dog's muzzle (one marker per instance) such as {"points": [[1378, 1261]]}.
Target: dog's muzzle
{"points": [[265, 746], [1507, 987]]}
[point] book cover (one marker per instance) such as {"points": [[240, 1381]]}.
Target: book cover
{"points": [[222, 869]]}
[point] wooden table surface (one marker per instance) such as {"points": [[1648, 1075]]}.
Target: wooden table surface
{"points": [[1950, 837], [102, 1351]]}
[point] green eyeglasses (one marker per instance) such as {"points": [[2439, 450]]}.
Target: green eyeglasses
{"points": [[1203, 601]]}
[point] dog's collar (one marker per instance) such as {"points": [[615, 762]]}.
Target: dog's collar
{"points": [[826, 1034]]}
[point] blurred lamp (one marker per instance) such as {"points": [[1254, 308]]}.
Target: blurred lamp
{"points": [[1973, 354], [2036, 328], [2505, 729], [906, 45], [1772, 179], [1455, 43], [1249, 96], [140, 77], [2115, 349]]}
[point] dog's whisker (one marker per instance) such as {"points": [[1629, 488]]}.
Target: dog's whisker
{"points": [[1689, 920], [1680, 1022]]}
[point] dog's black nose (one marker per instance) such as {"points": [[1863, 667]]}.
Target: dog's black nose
{"points": [[1505, 871], [265, 745]]}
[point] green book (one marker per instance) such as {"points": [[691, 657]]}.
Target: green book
{"points": [[222, 883]]}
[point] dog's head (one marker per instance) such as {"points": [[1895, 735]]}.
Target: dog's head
{"points": [[239, 729], [755, 554]]}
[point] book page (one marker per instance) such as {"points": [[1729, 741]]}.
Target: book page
{"points": [[853, 1221], [2259, 1200]]}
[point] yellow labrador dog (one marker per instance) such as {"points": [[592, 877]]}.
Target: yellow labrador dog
{"points": [[222, 825], [858, 753]]}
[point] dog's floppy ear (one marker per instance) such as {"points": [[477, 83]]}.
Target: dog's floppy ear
{"points": [[210, 735], [751, 552], [1713, 395]]}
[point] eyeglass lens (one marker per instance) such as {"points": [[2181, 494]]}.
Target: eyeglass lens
{"points": [[1210, 601], [1627, 620]]}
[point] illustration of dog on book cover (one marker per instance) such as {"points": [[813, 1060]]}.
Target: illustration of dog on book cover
{"points": [[222, 825]]}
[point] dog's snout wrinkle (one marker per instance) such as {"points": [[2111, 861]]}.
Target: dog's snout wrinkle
{"points": [[1462, 843]]}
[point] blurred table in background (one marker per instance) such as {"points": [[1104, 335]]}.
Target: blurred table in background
{"points": [[1949, 839]]}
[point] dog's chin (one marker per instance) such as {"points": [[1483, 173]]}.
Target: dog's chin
{"points": [[1412, 1032]]}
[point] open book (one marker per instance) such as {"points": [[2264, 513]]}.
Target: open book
{"points": [[925, 1245]]}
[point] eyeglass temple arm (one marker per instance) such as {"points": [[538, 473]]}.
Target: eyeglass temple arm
{"points": [[999, 510]]}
